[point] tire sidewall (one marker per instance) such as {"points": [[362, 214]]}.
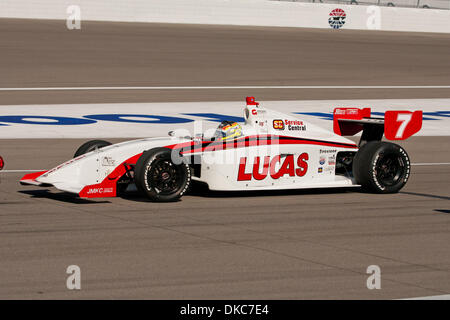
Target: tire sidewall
{"points": [[144, 165], [365, 166], [389, 148]]}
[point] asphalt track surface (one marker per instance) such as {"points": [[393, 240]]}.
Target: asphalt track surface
{"points": [[45, 54], [293, 245]]}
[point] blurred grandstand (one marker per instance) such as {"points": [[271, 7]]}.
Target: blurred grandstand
{"points": [[428, 4]]}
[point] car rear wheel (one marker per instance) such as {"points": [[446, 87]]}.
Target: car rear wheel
{"points": [[381, 167], [91, 146], [159, 178]]}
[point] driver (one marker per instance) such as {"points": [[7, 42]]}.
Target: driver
{"points": [[228, 130]]}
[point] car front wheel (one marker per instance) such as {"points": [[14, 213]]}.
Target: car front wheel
{"points": [[159, 178], [91, 146]]}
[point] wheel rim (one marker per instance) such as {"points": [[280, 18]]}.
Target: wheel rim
{"points": [[164, 177], [389, 169]]}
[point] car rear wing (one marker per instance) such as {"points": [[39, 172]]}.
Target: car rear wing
{"points": [[396, 125]]}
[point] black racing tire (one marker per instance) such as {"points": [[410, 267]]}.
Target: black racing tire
{"points": [[90, 146], [381, 167], [159, 177]]}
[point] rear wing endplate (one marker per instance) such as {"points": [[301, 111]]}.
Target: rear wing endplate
{"points": [[396, 125]]}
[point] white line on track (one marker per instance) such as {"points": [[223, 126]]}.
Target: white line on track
{"points": [[440, 297], [431, 164], [414, 164], [221, 88]]}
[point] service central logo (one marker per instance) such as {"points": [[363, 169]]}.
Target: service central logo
{"points": [[278, 124], [337, 18]]}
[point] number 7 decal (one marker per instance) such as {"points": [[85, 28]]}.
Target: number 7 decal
{"points": [[404, 118], [400, 125]]}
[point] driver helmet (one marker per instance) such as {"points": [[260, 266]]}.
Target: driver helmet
{"points": [[228, 130]]}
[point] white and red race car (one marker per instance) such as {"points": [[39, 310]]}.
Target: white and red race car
{"points": [[271, 150]]}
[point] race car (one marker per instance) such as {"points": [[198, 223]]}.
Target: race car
{"points": [[270, 150]]}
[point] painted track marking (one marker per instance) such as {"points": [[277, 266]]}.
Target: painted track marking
{"points": [[431, 164], [220, 88], [439, 297]]}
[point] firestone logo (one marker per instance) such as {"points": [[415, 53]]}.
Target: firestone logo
{"points": [[288, 167]]}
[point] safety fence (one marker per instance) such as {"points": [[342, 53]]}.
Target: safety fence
{"points": [[427, 4], [267, 13]]}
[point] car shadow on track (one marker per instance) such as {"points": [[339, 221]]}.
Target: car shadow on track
{"points": [[229, 194], [425, 195], [197, 190], [60, 196], [205, 192]]}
